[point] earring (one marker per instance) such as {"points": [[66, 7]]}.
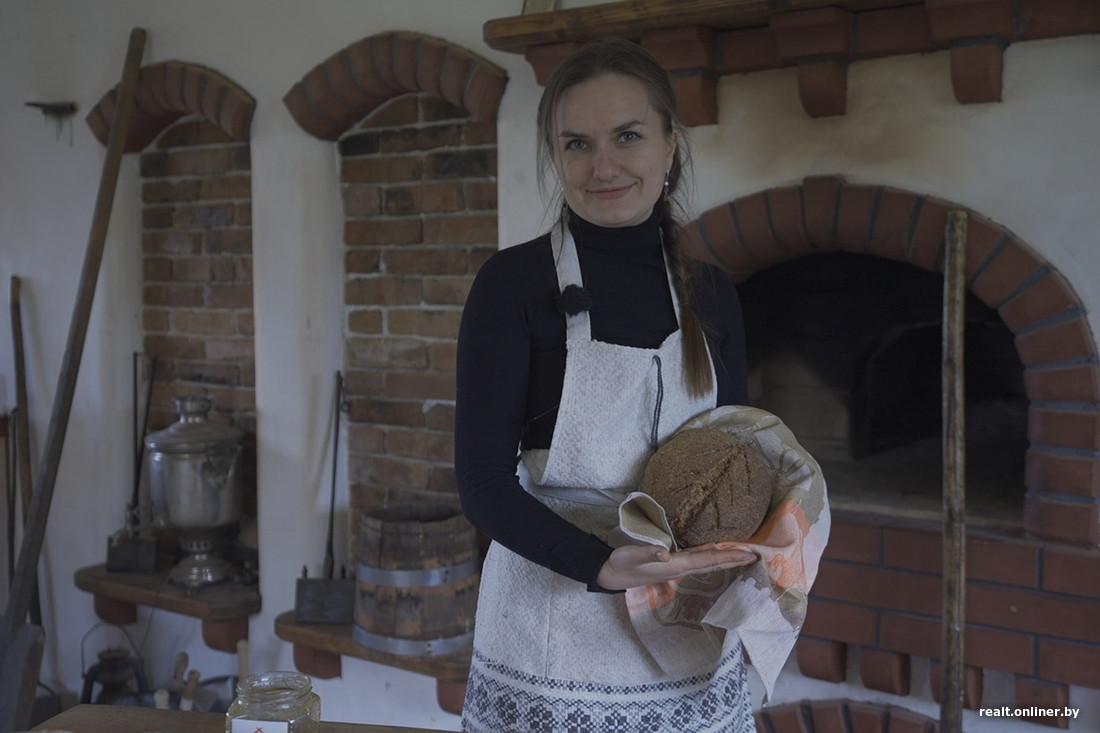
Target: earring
{"points": [[666, 181]]}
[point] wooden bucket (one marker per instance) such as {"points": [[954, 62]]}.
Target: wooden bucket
{"points": [[416, 580]]}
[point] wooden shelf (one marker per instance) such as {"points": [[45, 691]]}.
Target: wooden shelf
{"points": [[223, 608], [318, 649], [630, 19]]}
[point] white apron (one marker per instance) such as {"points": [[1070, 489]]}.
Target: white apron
{"points": [[548, 654]]}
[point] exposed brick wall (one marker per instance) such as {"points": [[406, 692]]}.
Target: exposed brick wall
{"points": [[197, 266], [419, 190]]}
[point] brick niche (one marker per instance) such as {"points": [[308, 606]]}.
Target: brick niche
{"points": [[419, 190]]}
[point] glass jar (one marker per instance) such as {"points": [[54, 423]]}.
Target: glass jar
{"points": [[274, 702]]}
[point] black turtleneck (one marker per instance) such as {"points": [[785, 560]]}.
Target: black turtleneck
{"points": [[511, 363]]}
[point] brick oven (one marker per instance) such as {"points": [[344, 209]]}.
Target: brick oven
{"points": [[1031, 561]]}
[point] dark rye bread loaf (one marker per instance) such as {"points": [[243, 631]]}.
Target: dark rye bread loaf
{"points": [[713, 487]]}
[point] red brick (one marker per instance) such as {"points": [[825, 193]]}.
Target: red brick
{"points": [[1013, 265], [434, 323], [1044, 298], [310, 119], [754, 226], [1074, 475], [1068, 340], [747, 49], [998, 560], [484, 90], [691, 240], [375, 232], [425, 261], [1071, 570], [823, 88], [820, 195], [682, 48], [429, 65], [895, 216], [983, 647], [1038, 693], [906, 721], [1052, 519], [867, 717], [884, 671], [452, 80], [891, 32], [976, 72], [382, 47], [1074, 664], [383, 291], [900, 591], [785, 213], [955, 19], [721, 236], [544, 58], [1031, 611], [855, 214], [853, 541], [1069, 384], [406, 55], [812, 33], [971, 684], [386, 353], [361, 62], [841, 622], [696, 98], [926, 245], [828, 716], [1068, 428], [175, 74], [788, 718], [822, 660]]}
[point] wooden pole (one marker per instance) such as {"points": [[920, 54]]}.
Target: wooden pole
{"points": [[22, 425], [954, 474], [20, 598]]}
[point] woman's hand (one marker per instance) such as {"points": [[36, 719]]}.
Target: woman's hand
{"points": [[634, 565]]}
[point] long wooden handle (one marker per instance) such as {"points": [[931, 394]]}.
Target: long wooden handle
{"points": [[22, 425], [954, 474], [22, 587]]}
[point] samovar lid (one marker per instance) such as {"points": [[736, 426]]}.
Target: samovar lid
{"points": [[192, 433]]}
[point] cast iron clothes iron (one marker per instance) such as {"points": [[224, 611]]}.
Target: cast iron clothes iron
{"points": [[326, 600]]}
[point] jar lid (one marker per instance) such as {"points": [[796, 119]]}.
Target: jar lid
{"points": [[192, 433]]}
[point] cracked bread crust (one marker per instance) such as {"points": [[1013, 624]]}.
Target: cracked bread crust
{"points": [[713, 487]]}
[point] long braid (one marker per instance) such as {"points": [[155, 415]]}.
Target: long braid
{"points": [[697, 373]]}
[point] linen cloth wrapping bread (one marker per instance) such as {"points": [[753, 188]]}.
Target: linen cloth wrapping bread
{"points": [[764, 603]]}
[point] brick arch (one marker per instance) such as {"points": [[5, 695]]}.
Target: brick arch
{"points": [[169, 90], [1036, 303], [841, 716], [355, 81]]}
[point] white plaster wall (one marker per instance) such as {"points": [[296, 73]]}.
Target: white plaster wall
{"points": [[1028, 163]]}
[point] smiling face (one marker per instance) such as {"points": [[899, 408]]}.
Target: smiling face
{"points": [[611, 150]]}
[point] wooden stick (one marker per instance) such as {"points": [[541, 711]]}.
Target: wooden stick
{"points": [[22, 426], [20, 598], [954, 474]]}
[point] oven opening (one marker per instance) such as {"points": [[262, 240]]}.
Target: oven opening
{"points": [[846, 349]]}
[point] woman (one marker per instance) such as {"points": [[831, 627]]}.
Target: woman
{"points": [[584, 349]]}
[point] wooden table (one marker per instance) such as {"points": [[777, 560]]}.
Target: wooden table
{"points": [[123, 719]]}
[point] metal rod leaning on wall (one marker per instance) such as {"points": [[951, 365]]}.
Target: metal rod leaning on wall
{"points": [[954, 473], [31, 546]]}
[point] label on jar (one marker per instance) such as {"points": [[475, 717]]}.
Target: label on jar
{"points": [[243, 725]]}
